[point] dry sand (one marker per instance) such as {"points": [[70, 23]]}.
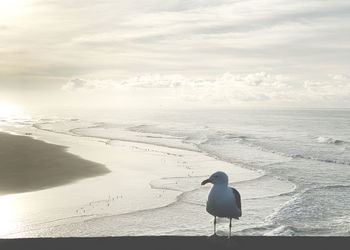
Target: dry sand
{"points": [[28, 165]]}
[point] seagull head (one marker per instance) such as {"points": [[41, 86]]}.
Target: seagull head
{"points": [[217, 178]]}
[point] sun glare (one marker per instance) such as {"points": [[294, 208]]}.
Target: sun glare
{"points": [[7, 215], [10, 8], [8, 111]]}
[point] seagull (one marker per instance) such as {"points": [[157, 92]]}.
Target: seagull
{"points": [[223, 201]]}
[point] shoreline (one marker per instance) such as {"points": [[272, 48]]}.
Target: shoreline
{"points": [[143, 178], [31, 165], [278, 203]]}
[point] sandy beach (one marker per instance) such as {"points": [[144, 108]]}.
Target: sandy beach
{"points": [[30, 165], [152, 186], [112, 114], [135, 189]]}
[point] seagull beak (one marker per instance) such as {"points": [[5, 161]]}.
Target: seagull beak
{"points": [[205, 182]]}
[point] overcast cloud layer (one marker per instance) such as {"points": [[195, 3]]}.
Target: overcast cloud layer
{"points": [[209, 53]]}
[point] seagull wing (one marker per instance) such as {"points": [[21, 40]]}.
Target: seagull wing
{"points": [[238, 198]]}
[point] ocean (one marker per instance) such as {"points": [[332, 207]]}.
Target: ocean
{"points": [[297, 165]]}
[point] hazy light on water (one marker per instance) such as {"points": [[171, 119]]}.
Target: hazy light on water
{"points": [[7, 111], [7, 215]]}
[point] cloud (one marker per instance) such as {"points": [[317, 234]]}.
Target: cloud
{"points": [[155, 81], [336, 87], [181, 42], [227, 90], [87, 85], [338, 77], [74, 84]]}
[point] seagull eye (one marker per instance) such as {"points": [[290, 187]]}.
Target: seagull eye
{"points": [[215, 176]]}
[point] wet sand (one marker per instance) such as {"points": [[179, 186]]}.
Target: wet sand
{"points": [[143, 183], [180, 242], [27, 165]]}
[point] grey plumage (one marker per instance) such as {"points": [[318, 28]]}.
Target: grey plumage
{"points": [[223, 201], [238, 200]]}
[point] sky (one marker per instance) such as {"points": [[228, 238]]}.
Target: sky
{"points": [[175, 53]]}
